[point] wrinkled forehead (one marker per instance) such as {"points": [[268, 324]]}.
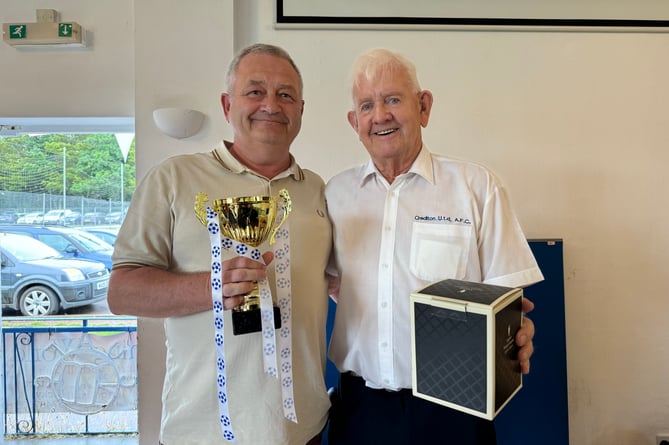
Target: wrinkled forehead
{"points": [[266, 69], [382, 80]]}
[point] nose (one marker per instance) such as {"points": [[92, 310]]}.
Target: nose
{"points": [[270, 104], [381, 113]]}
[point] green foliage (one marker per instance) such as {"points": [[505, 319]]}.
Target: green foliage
{"points": [[92, 164]]}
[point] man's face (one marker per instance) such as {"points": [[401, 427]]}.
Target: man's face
{"points": [[265, 103], [388, 115]]}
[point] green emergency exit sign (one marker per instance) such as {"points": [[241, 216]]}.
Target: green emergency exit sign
{"points": [[65, 30], [17, 31]]}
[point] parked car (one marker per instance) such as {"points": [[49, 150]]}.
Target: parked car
{"points": [[114, 217], [72, 218], [69, 242], [107, 235], [55, 217], [37, 281], [94, 218], [31, 218], [8, 217]]}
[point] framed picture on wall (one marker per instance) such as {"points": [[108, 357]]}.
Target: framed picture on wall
{"points": [[571, 15]]}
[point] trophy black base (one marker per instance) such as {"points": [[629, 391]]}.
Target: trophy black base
{"points": [[246, 322]]}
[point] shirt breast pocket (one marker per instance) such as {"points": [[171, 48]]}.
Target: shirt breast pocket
{"points": [[439, 251]]}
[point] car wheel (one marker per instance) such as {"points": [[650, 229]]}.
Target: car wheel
{"points": [[38, 301]]}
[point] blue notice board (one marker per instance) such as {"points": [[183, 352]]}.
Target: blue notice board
{"points": [[538, 413]]}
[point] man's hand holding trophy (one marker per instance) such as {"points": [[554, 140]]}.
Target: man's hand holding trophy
{"points": [[249, 220]]}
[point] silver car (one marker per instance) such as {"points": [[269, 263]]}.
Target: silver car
{"points": [[31, 218], [37, 281]]}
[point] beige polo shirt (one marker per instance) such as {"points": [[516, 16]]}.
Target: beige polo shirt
{"points": [[161, 230]]}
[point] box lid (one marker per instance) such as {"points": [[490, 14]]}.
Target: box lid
{"points": [[466, 291]]}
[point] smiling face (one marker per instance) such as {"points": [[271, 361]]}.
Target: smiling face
{"points": [[388, 115], [264, 106]]}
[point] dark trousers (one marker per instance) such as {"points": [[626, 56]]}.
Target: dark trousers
{"points": [[362, 415]]}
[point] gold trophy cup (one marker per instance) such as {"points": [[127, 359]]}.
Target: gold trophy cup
{"points": [[250, 220]]}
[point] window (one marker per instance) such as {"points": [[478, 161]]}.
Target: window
{"points": [[67, 175]]}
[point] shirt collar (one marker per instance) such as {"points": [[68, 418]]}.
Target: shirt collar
{"points": [[229, 162], [422, 167]]}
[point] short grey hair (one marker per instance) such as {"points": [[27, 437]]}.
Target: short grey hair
{"points": [[258, 48], [376, 61]]}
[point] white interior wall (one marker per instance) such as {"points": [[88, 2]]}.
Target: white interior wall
{"points": [[94, 81], [574, 123]]}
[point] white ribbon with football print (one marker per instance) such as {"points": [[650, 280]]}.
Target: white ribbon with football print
{"points": [[269, 341]]}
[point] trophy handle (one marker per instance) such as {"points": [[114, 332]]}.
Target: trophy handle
{"points": [[200, 211], [286, 206]]}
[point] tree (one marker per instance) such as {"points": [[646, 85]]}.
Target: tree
{"points": [[34, 164]]}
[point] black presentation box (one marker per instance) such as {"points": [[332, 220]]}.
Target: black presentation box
{"points": [[464, 354]]}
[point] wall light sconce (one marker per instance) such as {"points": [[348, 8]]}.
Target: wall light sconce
{"points": [[178, 123]]}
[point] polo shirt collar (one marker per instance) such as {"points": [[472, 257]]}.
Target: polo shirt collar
{"points": [[422, 167], [229, 162]]}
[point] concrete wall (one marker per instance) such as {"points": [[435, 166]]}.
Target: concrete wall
{"points": [[574, 123]]}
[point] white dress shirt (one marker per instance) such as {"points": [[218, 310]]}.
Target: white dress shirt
{"points": [[444, 218]]}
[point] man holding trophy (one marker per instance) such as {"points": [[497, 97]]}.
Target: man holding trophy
{"points": [[245, 340]]}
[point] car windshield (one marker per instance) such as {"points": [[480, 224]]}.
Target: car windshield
{"points": [[27, 249], [91, 242]]}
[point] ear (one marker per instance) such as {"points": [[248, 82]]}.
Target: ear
{"points": [[426, 99], [352, 120], [225, 103]]}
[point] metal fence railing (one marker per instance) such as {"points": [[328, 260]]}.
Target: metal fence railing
{"points": [[69, 376], [17, 204]]}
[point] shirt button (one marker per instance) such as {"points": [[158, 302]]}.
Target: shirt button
{"points": [[384, 305], [384, 344]]}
